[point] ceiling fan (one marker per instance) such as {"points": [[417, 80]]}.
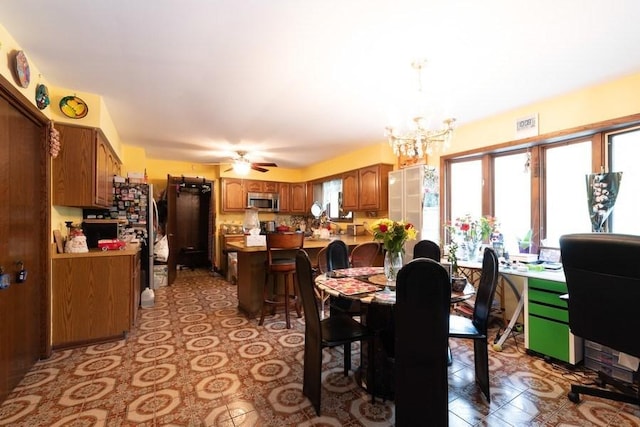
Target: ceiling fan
{"points": [[241, 165]]}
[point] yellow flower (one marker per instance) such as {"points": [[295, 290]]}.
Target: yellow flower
{"points": [[393, 234]]}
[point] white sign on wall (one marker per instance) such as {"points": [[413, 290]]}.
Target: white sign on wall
{"points": [[527, 127]]}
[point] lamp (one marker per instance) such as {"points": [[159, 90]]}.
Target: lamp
{"points": [[420, 140], [241, 166]]}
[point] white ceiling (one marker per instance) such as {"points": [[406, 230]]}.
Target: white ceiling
{"points": [[297, 81]]}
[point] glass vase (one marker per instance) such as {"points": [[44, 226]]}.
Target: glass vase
{"points": [[392, 264]]}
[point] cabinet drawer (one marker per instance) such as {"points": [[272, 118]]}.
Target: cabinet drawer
{"points": [[549, 298], [548, 312], [547, 285], [549, 338]]}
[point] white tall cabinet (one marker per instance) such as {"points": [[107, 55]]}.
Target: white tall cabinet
{"points": [[414, 197]]}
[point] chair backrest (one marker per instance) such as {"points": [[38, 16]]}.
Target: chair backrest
{"points": [[281, 242], [322, 260], [427, 249], [304, 275], [423, 295], [486, 290], [602, 273], [337, 255], [365, 254]]}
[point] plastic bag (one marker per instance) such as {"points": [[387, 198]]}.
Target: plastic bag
{"points": [[161, 249]]}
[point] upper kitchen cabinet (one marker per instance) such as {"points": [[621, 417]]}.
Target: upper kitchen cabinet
{"points": [[350, 191], [234, 195], [285, 197], [373, 188], [83, 171], [252, 186], [298, 200]]}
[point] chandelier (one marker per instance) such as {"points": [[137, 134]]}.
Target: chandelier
{"points": [[419, 140]]}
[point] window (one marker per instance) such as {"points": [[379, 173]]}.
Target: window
{"points": [[466, 188], [567, 210], [512, 196], [624, 152]]}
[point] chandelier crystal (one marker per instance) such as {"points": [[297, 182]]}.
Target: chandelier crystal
{"points": [[420, 140]]}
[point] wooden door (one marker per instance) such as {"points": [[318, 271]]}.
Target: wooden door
{"points": [[172, 229], [25, 235]]}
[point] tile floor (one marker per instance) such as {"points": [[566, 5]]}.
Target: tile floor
{"points": [[194, 360]]}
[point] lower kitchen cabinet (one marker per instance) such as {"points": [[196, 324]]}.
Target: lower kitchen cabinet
{"points": [[95, 296]]}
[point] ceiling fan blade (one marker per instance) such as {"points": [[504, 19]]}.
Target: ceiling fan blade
{"points": [[229, 170], [273, 165], [258, 168]]}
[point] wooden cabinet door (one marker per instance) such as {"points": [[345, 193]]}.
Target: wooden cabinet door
{"points": [[285, 195], [103, 160], [350, 191], [73, 171], [234, 196], [298, 202], [253, 186], [270, 187], [373, 187]]}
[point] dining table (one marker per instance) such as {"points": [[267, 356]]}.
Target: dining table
{"points": [[377, 295]]}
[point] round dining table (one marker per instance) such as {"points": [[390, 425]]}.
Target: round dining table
{"points": [[377, 295]]}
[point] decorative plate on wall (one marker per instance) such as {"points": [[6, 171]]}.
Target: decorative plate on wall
{"points": [[73, 107], [42, 96], [22, 69]]}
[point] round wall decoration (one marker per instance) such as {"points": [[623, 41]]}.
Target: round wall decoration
{"points": [[73, 107], [42, 96], [22, 69]]}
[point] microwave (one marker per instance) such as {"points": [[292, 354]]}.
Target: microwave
{"points": [[266, 202]]}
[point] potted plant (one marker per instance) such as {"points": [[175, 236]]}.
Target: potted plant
{"points": [[458, 282], [525, 243]]}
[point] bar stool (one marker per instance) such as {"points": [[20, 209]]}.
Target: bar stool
{"points": [[281, 262]]}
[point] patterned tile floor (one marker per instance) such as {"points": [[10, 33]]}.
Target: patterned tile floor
{"points": [[194, 360]]}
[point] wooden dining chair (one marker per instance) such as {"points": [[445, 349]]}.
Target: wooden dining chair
{"points": [[281, 263], [333, 331], [421, 312], [364, 254], [475, 328], [427, 249]]}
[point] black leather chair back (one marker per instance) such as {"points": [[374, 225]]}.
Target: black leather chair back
{"points": [[337, 255], [427, 249], [423, 295], [486, 290], [602, 272], [313, 334]]}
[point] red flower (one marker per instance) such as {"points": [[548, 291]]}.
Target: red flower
{"points": [[383, 228], [408, 225], [464, 226]]}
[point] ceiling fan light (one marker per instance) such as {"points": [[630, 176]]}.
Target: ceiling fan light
{"points": [[241, 167]]}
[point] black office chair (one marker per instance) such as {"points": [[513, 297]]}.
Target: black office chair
{"points": [[602, 273], [427, 249], [338, 258], [333, 331], [476, 327], [423, 294]]}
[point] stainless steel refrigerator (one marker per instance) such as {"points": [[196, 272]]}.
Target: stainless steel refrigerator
{"points": [[133, 202]]}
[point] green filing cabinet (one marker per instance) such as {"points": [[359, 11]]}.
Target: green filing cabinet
{"points": [[548, 322]]}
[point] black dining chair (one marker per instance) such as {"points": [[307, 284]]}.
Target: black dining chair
{"points": [[427, 249], [423, 293], [475, 328], [333, 331], [338, 258]]}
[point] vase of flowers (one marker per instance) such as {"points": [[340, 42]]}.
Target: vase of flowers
{"points": [[393, 235], [469, 234]]}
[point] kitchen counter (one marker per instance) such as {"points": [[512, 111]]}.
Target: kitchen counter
{"points": [[251, 268], [130, 249]]}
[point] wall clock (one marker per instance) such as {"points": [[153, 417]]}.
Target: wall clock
{"points": [[73, 107]]}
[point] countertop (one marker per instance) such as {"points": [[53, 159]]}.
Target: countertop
{"points": [[309, 243], [131, 249]]}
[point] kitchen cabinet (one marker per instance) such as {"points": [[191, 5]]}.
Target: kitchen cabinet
{"points": [[373, 189], [298, 201], [285, 196], [234, 195], [350, 191], [83, 171], [253, 186], [95, 296]]}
